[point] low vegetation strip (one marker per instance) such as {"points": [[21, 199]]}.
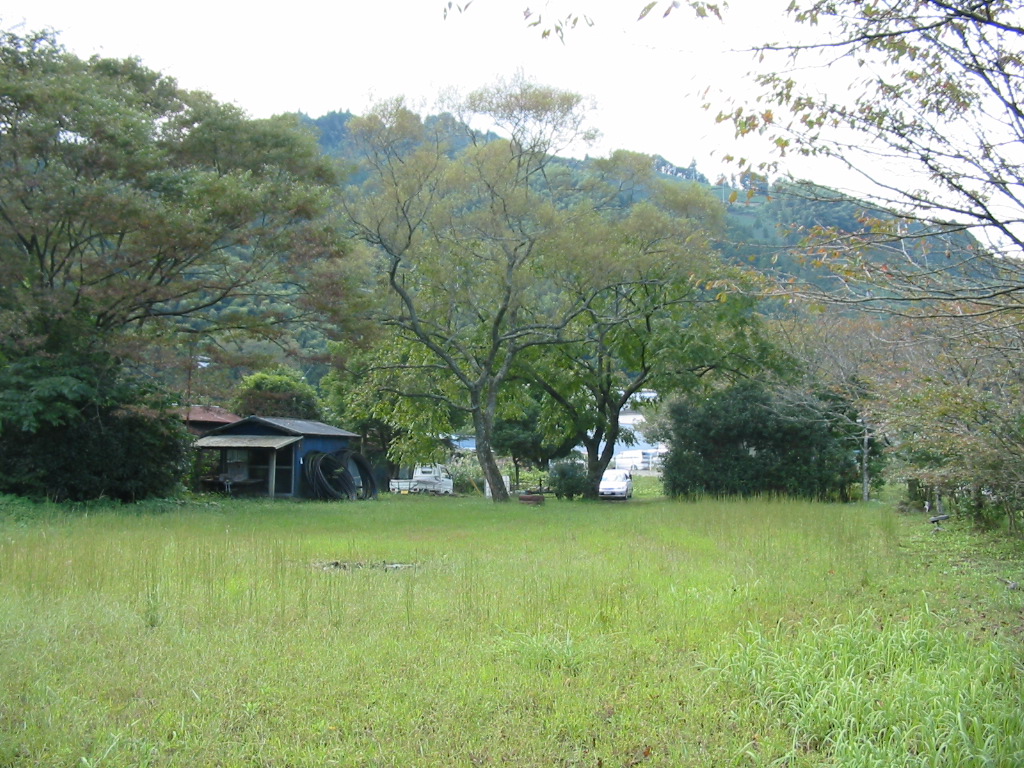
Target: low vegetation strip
{"points": [[594, 634], [872, 690]]}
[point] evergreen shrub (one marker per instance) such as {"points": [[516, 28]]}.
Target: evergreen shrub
{"points": [[568, 479], [744, 441]]}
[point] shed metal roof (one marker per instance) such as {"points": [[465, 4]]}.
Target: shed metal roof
{"points": [[291, 426], [246, 441], [305, 427]]}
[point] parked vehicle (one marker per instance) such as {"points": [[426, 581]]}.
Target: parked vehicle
{"points": [[631, 460], [635, 460], [425, 478], [616, 484]]}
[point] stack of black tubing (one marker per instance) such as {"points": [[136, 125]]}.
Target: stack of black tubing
{"points": [[330, 476]]}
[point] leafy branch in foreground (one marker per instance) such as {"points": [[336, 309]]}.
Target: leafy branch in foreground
{"points": [[928, 121]]}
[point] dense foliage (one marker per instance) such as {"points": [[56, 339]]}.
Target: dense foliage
{"points": [[745, 440], [280, 392], [524, 440], [114, 453], [129, 202], [77, 427], [134, 215]]}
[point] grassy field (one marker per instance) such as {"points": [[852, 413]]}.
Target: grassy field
{"points": [[452, 632]]}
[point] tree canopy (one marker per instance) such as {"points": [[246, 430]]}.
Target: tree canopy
{"points": [[133, 214], [499, 266], [470, 247], [744, 440], [129, 203], [675, 317], [278, 392]]}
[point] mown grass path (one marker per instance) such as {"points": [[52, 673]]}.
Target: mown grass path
{"points": [[436, 632]]}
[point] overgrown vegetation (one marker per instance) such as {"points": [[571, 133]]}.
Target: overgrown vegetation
{"points": [[278, 392], [420, 631], [75, 425], [748, 440], [153, 239]]}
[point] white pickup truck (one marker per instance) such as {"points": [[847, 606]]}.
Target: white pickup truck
{"points": [[426, 478]]}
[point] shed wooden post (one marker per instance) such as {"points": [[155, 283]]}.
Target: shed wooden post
{"points": [[272, 480]]}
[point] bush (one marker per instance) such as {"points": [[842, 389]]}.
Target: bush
{"points": [[745, 441], [76, 425], [118, 454], [281, 392], [568, 479]]}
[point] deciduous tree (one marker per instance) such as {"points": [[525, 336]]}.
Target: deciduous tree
{"points": [[925, 109], [131, 203], [504, 266], [845, 358], [467, 246], [954, 412], [133, 212], [674, 317]]}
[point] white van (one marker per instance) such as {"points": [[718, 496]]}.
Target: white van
{"points": [[632, 460]]}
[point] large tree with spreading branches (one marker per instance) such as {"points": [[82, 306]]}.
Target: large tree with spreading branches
{"points": [[135, 214]]}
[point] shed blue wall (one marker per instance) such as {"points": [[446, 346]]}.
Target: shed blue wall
{"points": [[324, 443], [308, 444], [313, 444]]}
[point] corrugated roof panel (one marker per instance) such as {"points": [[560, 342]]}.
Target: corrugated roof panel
{"points": [[245, 441], [306, 427]]}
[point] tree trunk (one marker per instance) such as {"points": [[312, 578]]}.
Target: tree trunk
{"points": [[485, 407], [597, 463], [865, 475], [492, 472]]}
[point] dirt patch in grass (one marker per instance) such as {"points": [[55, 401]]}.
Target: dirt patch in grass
{"points": [[331, 566]]}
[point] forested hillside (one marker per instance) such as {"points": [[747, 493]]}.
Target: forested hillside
{"points": [[766, 224]]}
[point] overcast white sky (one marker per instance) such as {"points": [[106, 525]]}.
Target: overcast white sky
{"points": [[646, 78]]}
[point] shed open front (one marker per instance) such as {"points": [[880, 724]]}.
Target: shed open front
{"points": [[287, 457], [259, 463]]}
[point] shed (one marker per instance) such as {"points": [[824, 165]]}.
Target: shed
{"points": [[262, 455]]}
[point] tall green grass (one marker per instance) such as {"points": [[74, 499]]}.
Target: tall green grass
{"points": [[878, 692], [427, 632]]}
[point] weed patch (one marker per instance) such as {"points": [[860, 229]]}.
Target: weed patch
{"points": [[880, 692], [429, 632]]}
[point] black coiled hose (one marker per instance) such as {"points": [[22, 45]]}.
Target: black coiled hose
{"points": [[341, 475]]}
